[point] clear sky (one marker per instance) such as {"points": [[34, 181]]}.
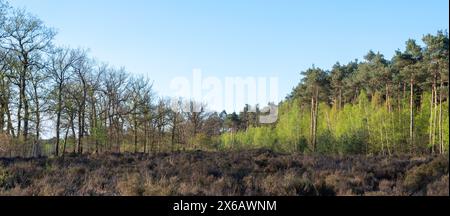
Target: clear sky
{"points": [[167, 38]]}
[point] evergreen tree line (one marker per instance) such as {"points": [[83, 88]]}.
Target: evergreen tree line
{"points": [[377, 106]]}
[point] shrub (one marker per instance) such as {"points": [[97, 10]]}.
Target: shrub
{"points": [[417, 179], [229, 173]]}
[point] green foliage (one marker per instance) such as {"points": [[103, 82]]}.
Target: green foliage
{"points": [[289, 127], [445, 134], [253, 137], [364, 127]]}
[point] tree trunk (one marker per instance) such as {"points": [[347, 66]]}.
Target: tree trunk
{"points": [[411, 116], [135, 134], [58, 120], [145, 136], [38, 136], [19, 107], [2, 114], [26, 107], [94, 125], [311, 127], [315, 126], [26, 119], [65, 141], [404, 90], [435, 110], [441, 132], [80, 131], [152, 146], [315, 117], [388, 99], [72, 126], [108, 118], [9, 124], [431, 122], [82, 117], [38, 123], [174, 125]]}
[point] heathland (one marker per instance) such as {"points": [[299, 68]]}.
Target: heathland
{"points": [[256, 172]]}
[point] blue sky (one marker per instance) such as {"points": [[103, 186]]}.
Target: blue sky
{"points": [[168, 38]]}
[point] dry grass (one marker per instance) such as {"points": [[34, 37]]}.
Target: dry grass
{"points": [[258, 172]]}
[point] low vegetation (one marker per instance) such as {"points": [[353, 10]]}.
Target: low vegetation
{"points": [[256, 172]]}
